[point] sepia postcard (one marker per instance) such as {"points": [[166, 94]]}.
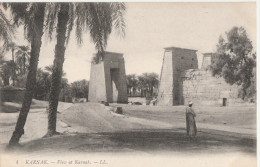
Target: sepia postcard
{"points": [[107, 84]]}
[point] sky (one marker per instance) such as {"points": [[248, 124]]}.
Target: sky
{"points": [[150, 27]]}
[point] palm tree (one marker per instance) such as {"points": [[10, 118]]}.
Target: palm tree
{"points": [[79, 89], [6, 71], [142, 85], [153, 82], [13, 67], [6, 35], [32, 16], [22, 56], [50, 69], [98, 18], [131, 84], [12, 46], [148, 81], [2, 60], [42, 85]]}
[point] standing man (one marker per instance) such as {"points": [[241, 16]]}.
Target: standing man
{"points": [[190, 121]]}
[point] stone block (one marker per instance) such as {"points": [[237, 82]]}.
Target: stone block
{"points": [[118, 110], [106, 104]]}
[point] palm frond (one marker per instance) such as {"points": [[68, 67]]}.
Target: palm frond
{"points": [[99, 19], [82, 16], [18, 11], [52, 9], [119, 9], [30, 20], [26, 14], [23, 51], [6, 30], [70, 21]]}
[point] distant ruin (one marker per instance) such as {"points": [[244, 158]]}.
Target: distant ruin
{"points": [[181, 80], [208, 59], [108, 79]]}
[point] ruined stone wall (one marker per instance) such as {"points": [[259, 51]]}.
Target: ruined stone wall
{"points": [[201, 87]]}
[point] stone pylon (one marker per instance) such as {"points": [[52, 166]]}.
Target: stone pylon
{"points": [[175, 61], [108, 80]]}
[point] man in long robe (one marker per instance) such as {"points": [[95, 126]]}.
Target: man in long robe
{"points": [[190, 121]]}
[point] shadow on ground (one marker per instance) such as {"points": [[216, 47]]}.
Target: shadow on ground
{"points": [[166, 140]]}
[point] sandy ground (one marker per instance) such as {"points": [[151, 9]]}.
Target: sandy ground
{"points": [[36, 124], [90, 127]]}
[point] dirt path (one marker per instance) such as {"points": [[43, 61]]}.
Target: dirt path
{"points": [[239, 119], [89, 127], [94, 118], [93, 128]]}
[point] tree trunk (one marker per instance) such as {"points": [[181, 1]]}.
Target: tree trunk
{"points": [[58, 65], [13, 69], [24, 68], [134, 91], [31, 77], [13, 54], [6, 81]]}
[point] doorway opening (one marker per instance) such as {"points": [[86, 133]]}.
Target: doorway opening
{"points": [[115, 83]]}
